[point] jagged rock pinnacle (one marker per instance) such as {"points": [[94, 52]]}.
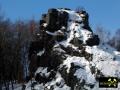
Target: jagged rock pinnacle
{"points": [[68, 55]]}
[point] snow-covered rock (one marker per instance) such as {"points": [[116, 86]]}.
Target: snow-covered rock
{"points": [[74, 67]]}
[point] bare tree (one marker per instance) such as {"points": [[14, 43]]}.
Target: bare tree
{"points": [[103, 34], [115, 41]]}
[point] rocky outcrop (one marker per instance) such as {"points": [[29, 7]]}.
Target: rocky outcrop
{"points": [[68, 55]]}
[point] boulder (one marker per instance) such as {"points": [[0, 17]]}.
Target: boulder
{"points": [[93, 41]]}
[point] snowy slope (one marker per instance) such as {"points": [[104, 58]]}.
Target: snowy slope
{"points": [[79, 71]]}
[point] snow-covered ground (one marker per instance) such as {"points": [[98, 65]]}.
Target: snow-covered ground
{"points": [[16, 87]]}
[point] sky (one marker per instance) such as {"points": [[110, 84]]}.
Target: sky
{"points": [[105, 13]]}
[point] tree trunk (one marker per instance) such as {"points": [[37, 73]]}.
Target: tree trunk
{"points": [[12, 84], [0, 85]]}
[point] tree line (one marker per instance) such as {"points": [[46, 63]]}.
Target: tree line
{"points": [[15, 39]]}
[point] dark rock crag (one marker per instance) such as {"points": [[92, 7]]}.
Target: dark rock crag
{"points": [[55, 43]]}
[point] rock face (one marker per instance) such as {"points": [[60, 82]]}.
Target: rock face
{"points": [[68, 55]]}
